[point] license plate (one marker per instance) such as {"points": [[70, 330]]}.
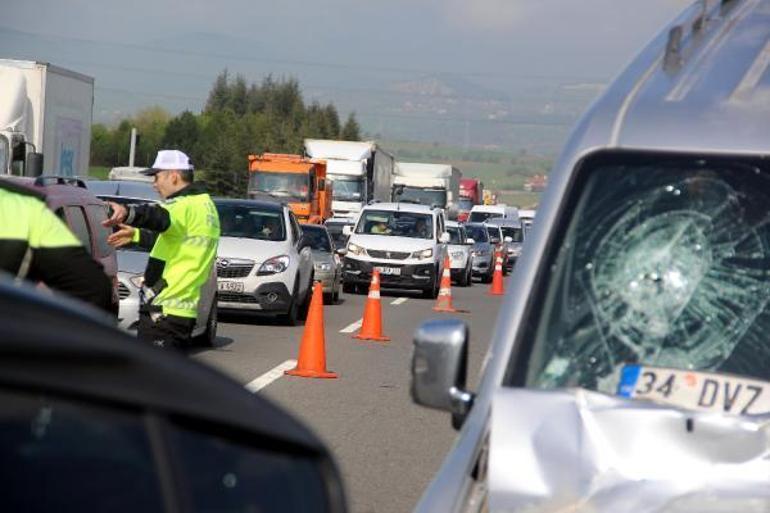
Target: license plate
{"points": [[230, 286], [706, 391], [390, 271]]}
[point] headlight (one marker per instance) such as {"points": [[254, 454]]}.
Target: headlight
{"points": [[425, 253], [137, 281], [323, 266], [355, 249], [274, 265]]}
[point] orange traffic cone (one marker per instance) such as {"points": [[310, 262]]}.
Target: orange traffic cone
{"points": [[497, 279], [371, 328], [312, 351], [444, 300]]}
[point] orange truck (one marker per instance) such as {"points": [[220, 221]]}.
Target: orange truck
{"points": [[299, 181]]}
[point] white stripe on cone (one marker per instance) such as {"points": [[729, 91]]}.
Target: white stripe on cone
{"points": [[374, 294]]}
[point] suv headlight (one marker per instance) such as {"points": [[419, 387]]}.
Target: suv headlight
{"points": [[137, 281], [323, 266], [274, 265], [355, 249], [422, 254]]}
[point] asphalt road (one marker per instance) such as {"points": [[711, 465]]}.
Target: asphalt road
{"points": [[387, 447]]}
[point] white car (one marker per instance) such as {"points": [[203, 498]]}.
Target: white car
{"points": [[264, 264], [403, 241], [460, 248]]}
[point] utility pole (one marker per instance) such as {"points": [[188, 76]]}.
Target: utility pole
{"points": [[132, 151]]}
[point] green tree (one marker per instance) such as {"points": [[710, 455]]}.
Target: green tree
{"points": [[182, 133], [219, 96], [352, 130]]}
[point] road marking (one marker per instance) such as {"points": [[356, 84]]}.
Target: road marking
{"points": [[399, 301], [270, 376], [353, 327]]}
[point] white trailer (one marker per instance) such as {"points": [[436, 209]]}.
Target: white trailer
{"points": [[436, 185], [361, 172], [48, 110]]}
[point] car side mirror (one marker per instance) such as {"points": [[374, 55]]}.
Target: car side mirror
{"points": [[347, 230], [440, 368], [508, 239], [321, 184], [342, 251], [494, 240], [470, 241], [444, 238]]}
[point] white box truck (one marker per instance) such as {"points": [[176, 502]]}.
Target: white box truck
{"points": [[436, 185], [44, 110], [361, 172]]}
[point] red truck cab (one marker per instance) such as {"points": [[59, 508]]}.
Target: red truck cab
{"points": [[471, 193]]}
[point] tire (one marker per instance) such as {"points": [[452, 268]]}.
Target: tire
{"points": [[305, 307], [336, 293], [432, 293], [465, 280], [291, 317], [348, 288], [208, 338], [489, 276]]}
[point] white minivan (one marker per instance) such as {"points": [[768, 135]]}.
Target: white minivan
{"points": [[404, 241], [481, 213], [264, 265]]}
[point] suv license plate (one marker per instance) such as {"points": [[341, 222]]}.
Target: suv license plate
{"points": [[390, 271], [694, 390], [230, 286]]}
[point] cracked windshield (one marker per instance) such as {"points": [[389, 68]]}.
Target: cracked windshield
{"points": [[663, 265]]}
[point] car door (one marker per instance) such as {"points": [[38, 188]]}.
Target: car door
{"points": [[304, 255]]}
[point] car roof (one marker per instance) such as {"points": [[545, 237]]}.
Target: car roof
{"points": [[269, 205], [46, 341], [124, 189], [58, 191], [403, 207], [700, 86]]}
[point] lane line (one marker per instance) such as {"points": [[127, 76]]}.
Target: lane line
{"points": [[270, 376], [352, 327], [399, 301]]}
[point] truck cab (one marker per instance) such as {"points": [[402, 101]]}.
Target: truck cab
{"points": [[298, 181], [471, 194], [434, 185]]}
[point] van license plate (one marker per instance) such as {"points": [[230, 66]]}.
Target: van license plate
{"points": [[694, 390], [390, 271], [230, 286]]}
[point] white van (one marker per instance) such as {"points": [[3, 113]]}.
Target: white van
{"points": [[480, 213], [629, 369]]}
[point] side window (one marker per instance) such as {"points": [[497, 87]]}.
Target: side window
{"points": [[229, 477], [97, 214], [89, 458], [77, 222]]}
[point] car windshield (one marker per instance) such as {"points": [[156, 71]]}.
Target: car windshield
{"points": [[465, 204], [347, 190], [244, 221], [514, 233], [455, 235], [317, 238], [429, 197], [494, 232], [291, 186], [476, 232], [480, 217], [663, 263], [396, 223]]}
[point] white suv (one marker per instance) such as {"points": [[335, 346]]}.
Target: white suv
{"points": [[403, 241], [263, 263]]}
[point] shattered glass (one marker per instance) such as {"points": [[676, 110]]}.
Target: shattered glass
{"points": [[664, 264]]}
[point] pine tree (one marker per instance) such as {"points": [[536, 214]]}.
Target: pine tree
{"points": [[352, 130], [220, 93]]}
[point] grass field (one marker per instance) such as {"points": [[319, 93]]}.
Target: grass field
{"points": [[99, 172]]}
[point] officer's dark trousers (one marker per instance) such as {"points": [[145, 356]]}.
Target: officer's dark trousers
{"points": [[168, 331]]}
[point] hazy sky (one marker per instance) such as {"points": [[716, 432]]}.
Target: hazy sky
{"points": [[167, 52]]}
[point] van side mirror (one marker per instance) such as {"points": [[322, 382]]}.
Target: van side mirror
{"points": [[445, 237], [470, 241], [321, 184], [342, 251], [440, 368], [347, 230], [508, 239], [33, 167]]}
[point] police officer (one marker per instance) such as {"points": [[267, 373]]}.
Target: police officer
{"points": [[183, 254], [38, 246]]}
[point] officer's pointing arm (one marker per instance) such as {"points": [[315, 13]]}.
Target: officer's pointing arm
{"points": [[149, 217]]}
